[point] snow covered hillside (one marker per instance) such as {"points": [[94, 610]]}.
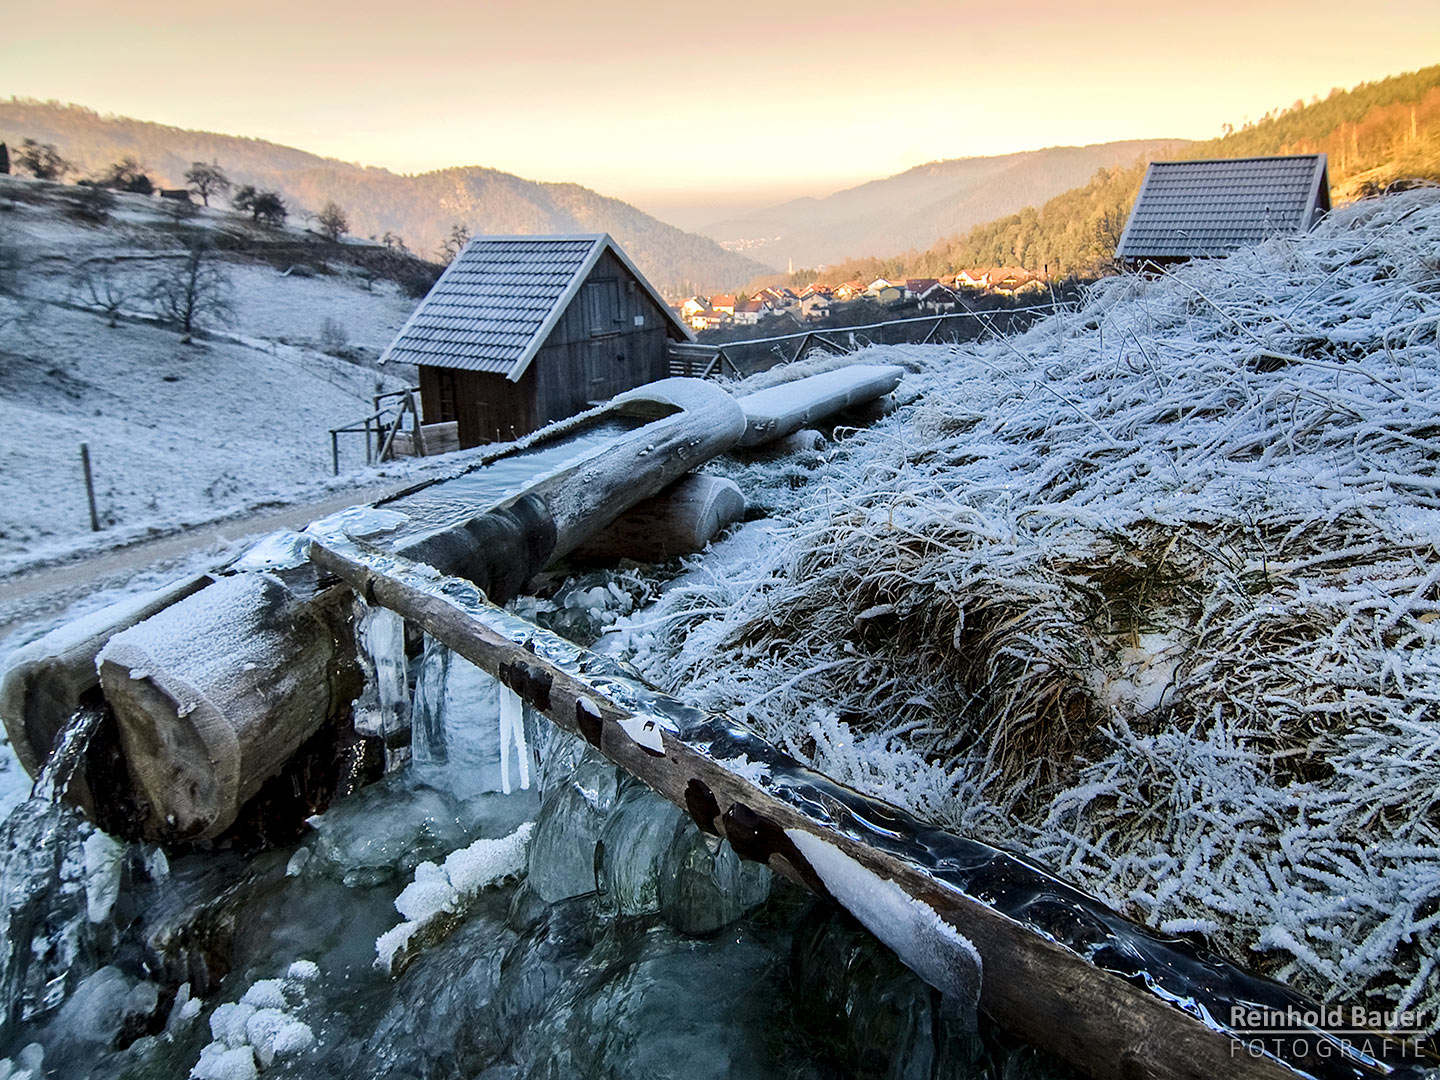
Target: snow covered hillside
{"points": [[177, 432], [1150, 592]]}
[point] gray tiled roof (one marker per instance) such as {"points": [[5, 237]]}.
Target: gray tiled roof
{"points": [[1200, 208], [497, 302]]}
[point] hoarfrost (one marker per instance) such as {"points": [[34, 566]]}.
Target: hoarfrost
{"points": [[1149, 591]]}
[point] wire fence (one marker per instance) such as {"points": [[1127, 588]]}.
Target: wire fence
{"points": [[748, 356]]}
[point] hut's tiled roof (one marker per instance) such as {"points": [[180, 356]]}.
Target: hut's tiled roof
{"points": [[1189, 209], [497, 302]]}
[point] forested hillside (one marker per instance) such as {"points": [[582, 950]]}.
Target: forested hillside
{"points": [[920, 205], [420, 209], [1374, 134]]}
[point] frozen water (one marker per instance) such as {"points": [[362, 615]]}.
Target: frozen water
{"points": [[632, 851], [428, 709], [383, 633], [650, 857], [928, 945], [512, 734], [572, 815], [706, 885]]}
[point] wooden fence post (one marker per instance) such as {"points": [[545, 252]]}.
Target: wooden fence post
{"points": [[89, 486]]}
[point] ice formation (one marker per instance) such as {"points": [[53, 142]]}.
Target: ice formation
{"points": [[512, 734], [443, 889]]}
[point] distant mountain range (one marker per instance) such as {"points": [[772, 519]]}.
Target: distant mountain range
{"points": [[421, 209], [919, 206]]}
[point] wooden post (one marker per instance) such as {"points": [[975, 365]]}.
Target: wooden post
{"points": [[89, 486], [334, 452], [419, 435]]}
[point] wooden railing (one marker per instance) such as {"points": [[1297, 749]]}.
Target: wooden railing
{"points": [[747, 356]]}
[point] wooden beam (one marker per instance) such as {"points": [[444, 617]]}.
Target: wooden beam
{"points": [[1059, 969]]}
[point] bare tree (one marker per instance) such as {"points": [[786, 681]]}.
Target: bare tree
{"points": [[16, 305], [206, 180], [194, 289], [42, 160], [127, 174], [332, 221], [97, 282], [453, 244]]}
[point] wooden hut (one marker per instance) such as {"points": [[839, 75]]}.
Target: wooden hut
{"points": [[1203, 209], [523, 330]]}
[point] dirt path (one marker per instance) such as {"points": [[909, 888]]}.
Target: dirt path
{"points": [[34, 594]]}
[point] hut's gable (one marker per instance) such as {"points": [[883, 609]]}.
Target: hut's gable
{"points": [[496, 304], [522, 330], [1195, 209]]}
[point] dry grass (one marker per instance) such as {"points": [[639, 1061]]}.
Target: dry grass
{"points": [[1152, 591]]}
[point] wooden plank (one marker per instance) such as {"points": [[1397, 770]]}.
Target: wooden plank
{"points": [[1037, 982]]}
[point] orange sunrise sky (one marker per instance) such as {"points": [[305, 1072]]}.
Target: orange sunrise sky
{"points": [[645, 100]]}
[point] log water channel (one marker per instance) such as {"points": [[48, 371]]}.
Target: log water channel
{"points": [[519, 861]]}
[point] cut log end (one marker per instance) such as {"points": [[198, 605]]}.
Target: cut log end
{"points": [[213, 695]]}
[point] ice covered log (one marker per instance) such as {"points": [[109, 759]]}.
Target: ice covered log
{"points": [[49, 679], [501, 546], [775, 412], [213, 694], [681, 520]]}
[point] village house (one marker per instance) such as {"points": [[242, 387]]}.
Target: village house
{"points": [[749, 312], [724, 303], [849, 290], [523, 330], [1205, 209], [1013, 281], [973, 279], [917, 287], [814, 307], [938, 298]]}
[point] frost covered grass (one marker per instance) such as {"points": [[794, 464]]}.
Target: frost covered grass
{"points": [[1150, 592]]}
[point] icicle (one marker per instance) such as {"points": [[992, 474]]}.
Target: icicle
{"points": [[522, 749], [384, 637], [427, 711], [511, 710], [512, 733]]}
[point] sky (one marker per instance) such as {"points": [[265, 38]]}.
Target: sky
{"points": [[658, 103]]}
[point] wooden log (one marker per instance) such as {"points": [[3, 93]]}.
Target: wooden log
{"points": [[681, 520], [779, 410], [1059, 969], [213, 695], [52, 677]]}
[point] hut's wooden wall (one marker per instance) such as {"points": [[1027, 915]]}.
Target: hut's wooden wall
{"points": [[596, 349]]}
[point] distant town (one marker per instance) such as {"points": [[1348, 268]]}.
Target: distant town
{"points": [[820, 302]]}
